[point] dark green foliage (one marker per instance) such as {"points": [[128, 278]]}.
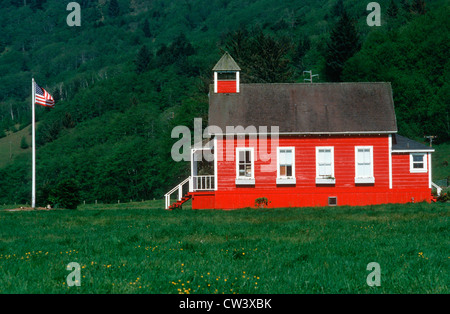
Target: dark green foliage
{"points": [[113, 8], [418, 7], [416, 61], [23, 143], [66, 194], [175, 53], [2, 45], [142, 61], [262, 57], [304, 44], [444, 196], [37, 4], [392, 10], [338, 9], [406, 6], [146, 29], [344, 43]]}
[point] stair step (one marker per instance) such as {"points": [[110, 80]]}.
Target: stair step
{"points": [[178, 204]]}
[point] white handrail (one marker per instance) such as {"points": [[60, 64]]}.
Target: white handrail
{"points": [[196, 183], [179, 187], [437, 187]]}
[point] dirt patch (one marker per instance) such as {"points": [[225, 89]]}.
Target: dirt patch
{"points": [[27, 208]]}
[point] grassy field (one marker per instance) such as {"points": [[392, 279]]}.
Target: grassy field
{"points": [[440, 162], [140, 248], [10, 145]]}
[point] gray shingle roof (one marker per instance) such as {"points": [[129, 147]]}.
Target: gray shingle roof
{"points": [[401, 143], [318, 108]]}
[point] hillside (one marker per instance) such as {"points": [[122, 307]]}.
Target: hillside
{"points": [[133, 71], [11, 145]]}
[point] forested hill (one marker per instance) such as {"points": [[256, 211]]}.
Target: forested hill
{"points": [[135, 69]]}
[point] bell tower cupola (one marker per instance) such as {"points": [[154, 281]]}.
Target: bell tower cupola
{"points": [[226, 75]]}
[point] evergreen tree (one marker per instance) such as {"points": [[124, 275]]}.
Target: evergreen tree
{"points": [[37, 4], [262, 57], [392, 10], [23, 143], [344, 43], [146, 29], [338, 8], [303, 46], [142, 61], [113, 9], [418, 7], [56, 94], [406, 6], [66, 194], [177, 52]]}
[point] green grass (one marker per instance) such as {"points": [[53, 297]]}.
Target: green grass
{"points": [[10, 145], [440, 161], [140, 248]]}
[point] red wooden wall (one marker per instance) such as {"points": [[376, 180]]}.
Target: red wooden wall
{"points": [[305, 161], [228, 86], [401, 176], [306, 192]]}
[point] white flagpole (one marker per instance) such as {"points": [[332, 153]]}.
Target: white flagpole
{"points": [[33, 145]]}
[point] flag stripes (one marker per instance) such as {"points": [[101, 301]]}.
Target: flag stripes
{"points": [[42, 97]]}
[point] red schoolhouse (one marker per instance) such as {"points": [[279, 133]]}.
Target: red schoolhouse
{"points": [[295, 145]]}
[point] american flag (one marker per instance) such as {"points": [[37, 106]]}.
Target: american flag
{"points": [[42, 97]]}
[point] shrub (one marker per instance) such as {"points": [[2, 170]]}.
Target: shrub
{"points": [[65, 194], [261, 202], [23, 143], [444, 197]]}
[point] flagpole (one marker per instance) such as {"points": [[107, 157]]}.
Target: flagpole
{"points": [[33, 146]]}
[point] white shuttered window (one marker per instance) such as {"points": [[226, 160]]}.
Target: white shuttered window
{"points": [[364, 164]]}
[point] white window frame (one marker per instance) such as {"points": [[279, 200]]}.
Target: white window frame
{"points": [[358, 178], [285, 179], [411, 163], [245, 180], [320, 179]]}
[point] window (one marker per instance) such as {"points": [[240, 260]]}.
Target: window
{"points": [[226, 76], [332, 201], [286, 165], [418, 162], [245, 165], [364, 164], [325, 165]]}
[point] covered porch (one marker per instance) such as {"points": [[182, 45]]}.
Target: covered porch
{"points": [[202, 180]]}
